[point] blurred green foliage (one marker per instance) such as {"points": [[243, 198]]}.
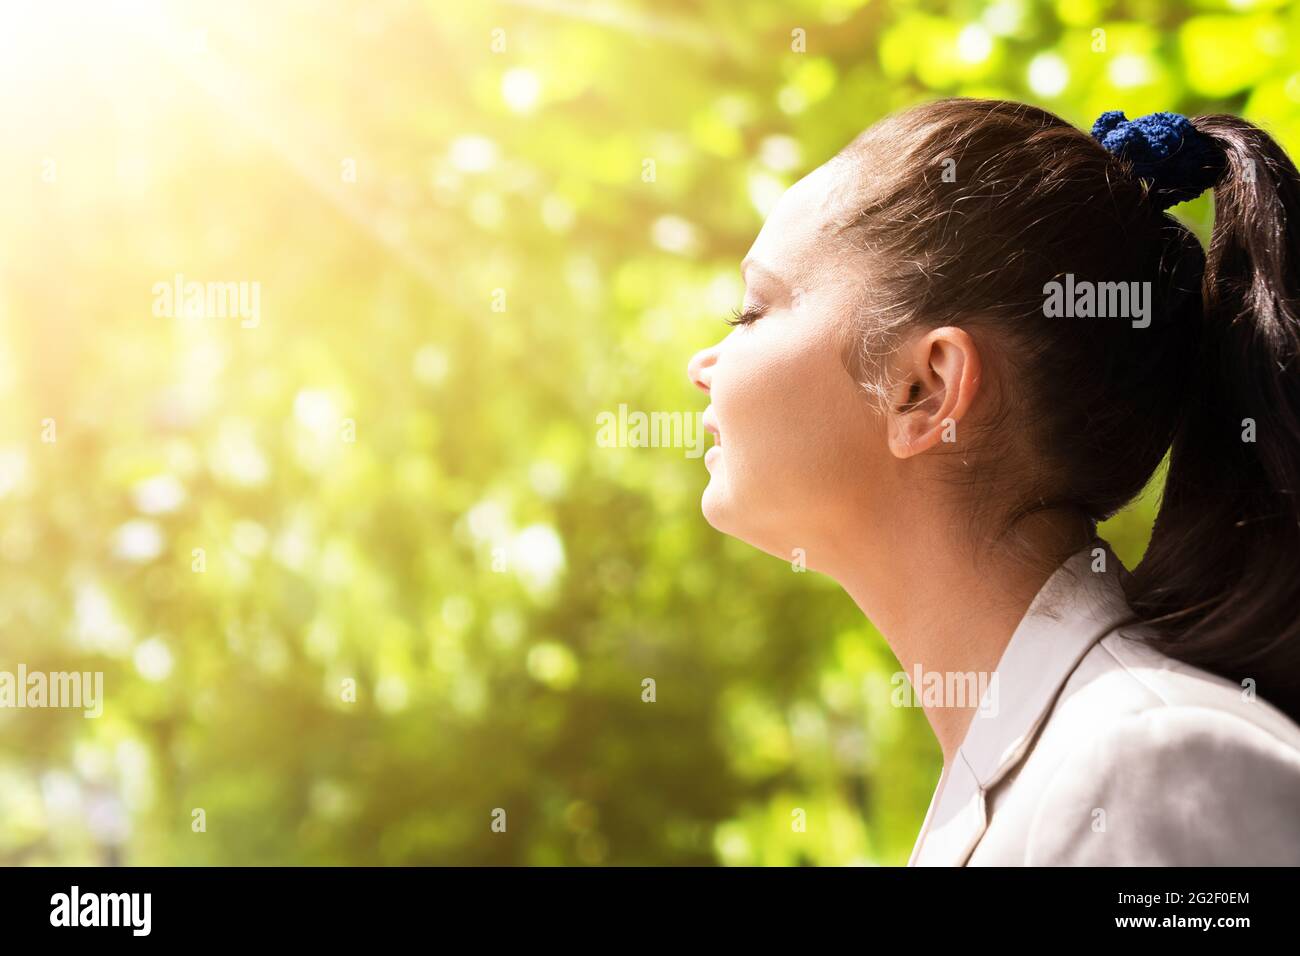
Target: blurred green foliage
{"points": [[393, 478]]}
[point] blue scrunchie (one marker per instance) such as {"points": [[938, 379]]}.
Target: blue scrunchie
{"points": [[1177, 159]]}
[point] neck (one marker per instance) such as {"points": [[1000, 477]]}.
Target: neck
{"points": [[944, 609]]}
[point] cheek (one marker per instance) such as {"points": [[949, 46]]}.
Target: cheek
{"points": [[794, 424]]}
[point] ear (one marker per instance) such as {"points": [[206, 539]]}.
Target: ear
{"points": [[939, 377]]}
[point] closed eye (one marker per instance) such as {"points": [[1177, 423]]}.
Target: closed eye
{"points": [[752, 314]]}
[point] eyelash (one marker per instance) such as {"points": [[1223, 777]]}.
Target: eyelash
{"points": [[752, 314]]}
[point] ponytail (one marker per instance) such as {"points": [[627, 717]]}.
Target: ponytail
{"points": [[1220, 581]]}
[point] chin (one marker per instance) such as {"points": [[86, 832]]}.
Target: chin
{"points": [[721, 512], [714, 507]]}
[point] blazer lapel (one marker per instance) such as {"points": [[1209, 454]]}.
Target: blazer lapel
{"points": [[955, 821], [1075, 608]]}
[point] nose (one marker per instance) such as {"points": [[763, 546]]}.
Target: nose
{"points": [[700, 368]]}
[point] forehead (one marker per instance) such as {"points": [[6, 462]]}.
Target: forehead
{"points": [[799, 233]]}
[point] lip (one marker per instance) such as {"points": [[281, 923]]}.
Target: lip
{"points": [[709, 420], [712, 455]]}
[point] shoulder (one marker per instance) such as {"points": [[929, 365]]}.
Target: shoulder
{"points": [[1124, 675], [1159, 763]]}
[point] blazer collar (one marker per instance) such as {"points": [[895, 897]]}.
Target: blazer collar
{"points": [[1075, 608]]}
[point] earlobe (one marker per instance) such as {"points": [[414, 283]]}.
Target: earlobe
{"points": [[940, 379], [910, 433]]}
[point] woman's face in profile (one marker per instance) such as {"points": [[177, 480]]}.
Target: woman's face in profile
{"points": [[800, 453]]}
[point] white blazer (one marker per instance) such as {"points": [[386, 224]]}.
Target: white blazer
{"points": [[1101, 751]]}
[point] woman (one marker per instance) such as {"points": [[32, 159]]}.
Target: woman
{"points": [[968, 338]]}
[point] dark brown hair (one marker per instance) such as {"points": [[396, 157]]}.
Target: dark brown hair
{"points": [[966, 210]]}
